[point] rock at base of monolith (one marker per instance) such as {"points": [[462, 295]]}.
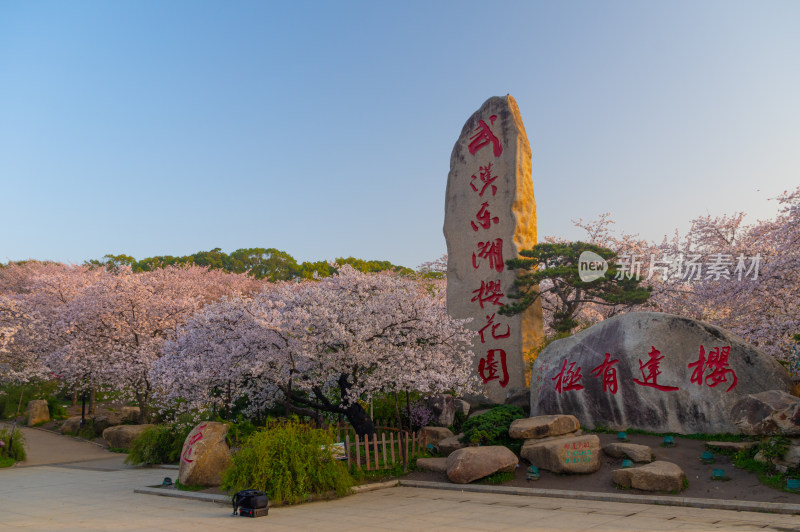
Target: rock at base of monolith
{"points": [[637, 453], [652, 371], [37, 412], [205, 455], [769, 413], [71, 425], [432, 464], [450, 445], [435, 434], [489, 217], [579, 454], [473, 463], [520, 397], [734, 446], [655, 476], [444, 409], [462, 406], [130, 414], [543, 426], [122, 436]]}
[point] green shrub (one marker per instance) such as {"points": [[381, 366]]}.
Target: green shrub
{"points": [[290, 462], [13, 448], [161, 444], [57, 410], [491, 428], [239, 432], [10, 401]]}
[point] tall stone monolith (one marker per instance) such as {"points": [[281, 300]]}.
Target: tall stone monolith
{"points": [[490, 215]]}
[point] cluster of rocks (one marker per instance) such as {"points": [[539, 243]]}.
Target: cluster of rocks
{"points": [[118, 429], [553, 443]]}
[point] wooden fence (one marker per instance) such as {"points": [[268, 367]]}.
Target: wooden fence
{"points": [[378, 452]]}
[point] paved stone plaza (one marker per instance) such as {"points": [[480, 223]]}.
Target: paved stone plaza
{"points": [[93, 490]]}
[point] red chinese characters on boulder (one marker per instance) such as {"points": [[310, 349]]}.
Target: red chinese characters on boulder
{"points": [[568, 378], [194, 439], [487, 367], [483, 136], [492, 250], [650, 372], [608, 372], [717, 362]]}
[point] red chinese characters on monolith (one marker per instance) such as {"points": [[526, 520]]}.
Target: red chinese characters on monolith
{"points": [[486, 177], [650, 372], [718, 363], [568, 378], [488, 367], [492, 250], [484, 136], [484, 218], [488, 293], [493, 327]]}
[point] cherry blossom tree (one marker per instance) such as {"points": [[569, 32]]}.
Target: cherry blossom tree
{"points": [[320, 345]]}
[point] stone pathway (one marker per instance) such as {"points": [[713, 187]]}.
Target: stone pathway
{"points": [[93, 495], [45, 448]]}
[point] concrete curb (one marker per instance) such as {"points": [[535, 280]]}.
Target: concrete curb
{"points": [[179, 494], [226, 499], [715, 504]]}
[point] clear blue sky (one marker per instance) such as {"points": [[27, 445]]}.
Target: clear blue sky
{"points": [[325, 128]]}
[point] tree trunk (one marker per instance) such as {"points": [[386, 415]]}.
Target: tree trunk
{"points": [[361, 422], [355, 413]]}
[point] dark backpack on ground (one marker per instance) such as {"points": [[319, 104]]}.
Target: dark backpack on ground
{"points": [[250, 500]]}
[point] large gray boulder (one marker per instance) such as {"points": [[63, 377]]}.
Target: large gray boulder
{"points": [[543, 427], [122, 436], [432, 464], [472, 463], [652, 371], [436, 434], [520, 397], [579, 454], [71, 424], [130, 414], [773, 412], [449, 445], [444, 409], [636, 452], [655, 476], [205, 455], [107, 419], [37, 412]]}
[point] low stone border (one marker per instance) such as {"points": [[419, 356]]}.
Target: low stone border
{"points": [[226, 499], [192, 495], [714, 504], [687, 502]]}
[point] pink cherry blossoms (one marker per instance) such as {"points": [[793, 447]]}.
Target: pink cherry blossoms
{"points": [[320, 345]]}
